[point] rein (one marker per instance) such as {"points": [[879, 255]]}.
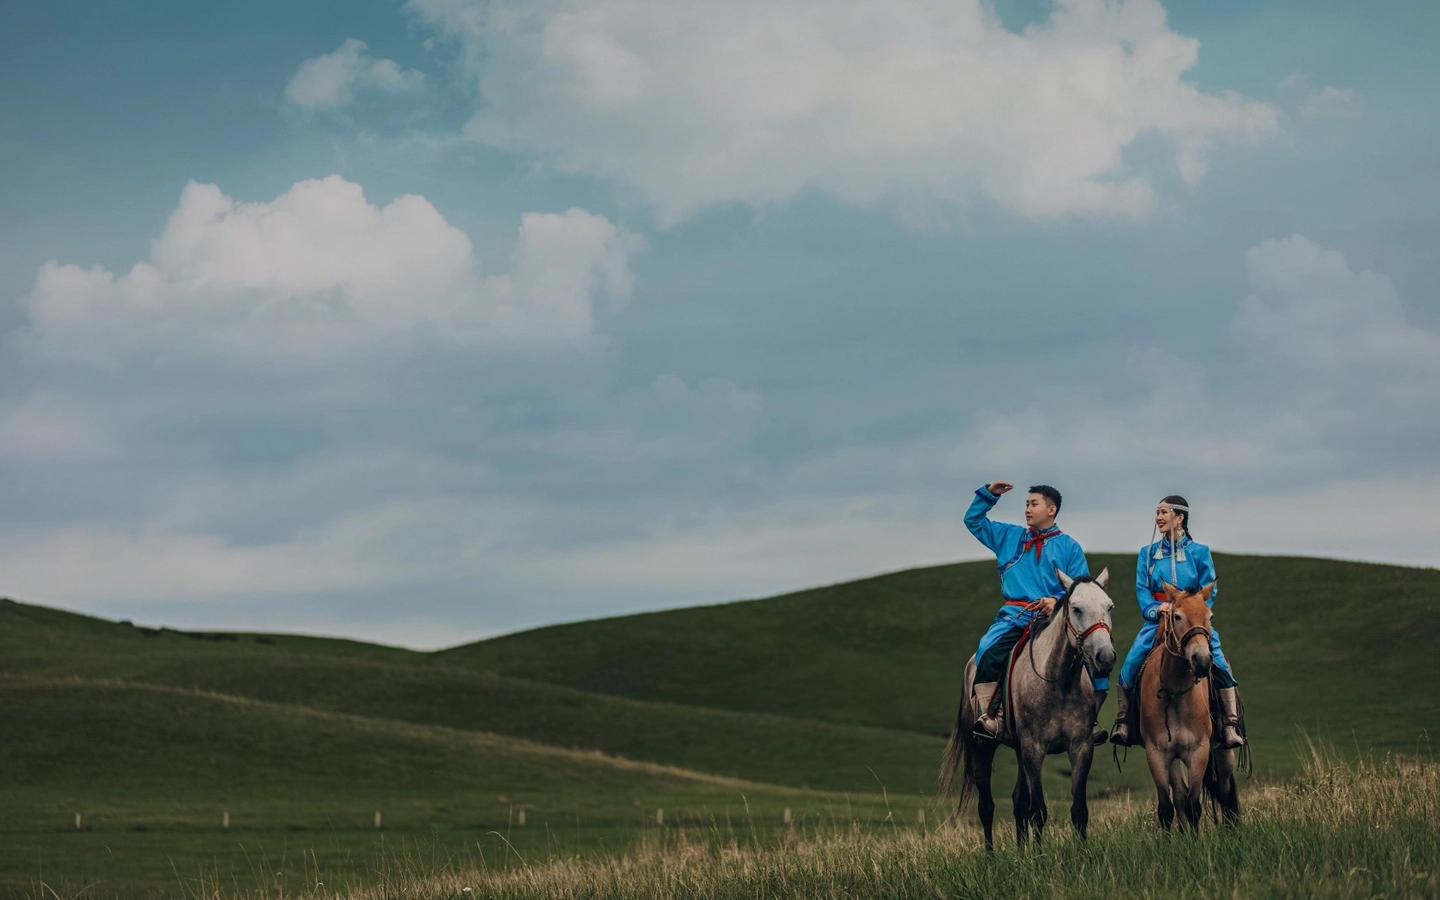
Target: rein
{"points": [[1071, 631], [1173, 648]]}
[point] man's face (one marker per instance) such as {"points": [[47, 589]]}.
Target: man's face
{"points": [[1039, 512]]}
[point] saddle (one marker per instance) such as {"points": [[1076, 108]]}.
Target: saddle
{"points": [[1002, 690]]}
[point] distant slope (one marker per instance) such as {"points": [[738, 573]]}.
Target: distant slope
{"points": [[121, 741], [404, 686], [1323, 645], [151, 769]]}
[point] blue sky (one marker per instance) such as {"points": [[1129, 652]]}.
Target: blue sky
{"points": [[423, 321]]}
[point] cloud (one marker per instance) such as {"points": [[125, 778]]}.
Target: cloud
{"points": [[50, 425], [1325, 102], [1313, 317], [333, 80], [707, 103], [1323, 381], [319, 273]]}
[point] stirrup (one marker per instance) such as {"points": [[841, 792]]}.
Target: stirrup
{"points": [[1120, 735], [982, 729]]}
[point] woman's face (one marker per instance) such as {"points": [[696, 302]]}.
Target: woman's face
{"points": [[1167, 519]]}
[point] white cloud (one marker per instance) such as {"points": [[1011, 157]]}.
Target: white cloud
{"points": [[1325, 102], [332, 81], [1312, 316], [1332, 103], [705, 102], [50, 426], [319, 274]]}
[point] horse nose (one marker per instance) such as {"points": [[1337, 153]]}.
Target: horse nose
{"points": [[1200, 663], [1105, 660]]}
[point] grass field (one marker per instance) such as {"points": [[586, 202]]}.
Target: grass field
{"points": [[1340, 830], [831, 703]]}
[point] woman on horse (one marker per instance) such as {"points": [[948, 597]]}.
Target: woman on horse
{"points": [[1185, 563]]}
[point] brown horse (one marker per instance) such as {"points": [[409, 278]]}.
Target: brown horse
{"points": [[1175, 720]]}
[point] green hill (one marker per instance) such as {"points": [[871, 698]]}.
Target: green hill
{"points": [[1317, 644], [153, 769], [405, 686], [725, 711]]}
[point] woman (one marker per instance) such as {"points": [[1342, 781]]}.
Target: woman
{"points": [[1178, 559]]}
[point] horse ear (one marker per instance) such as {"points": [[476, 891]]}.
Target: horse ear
{"points": [[1065, 580], [1206, 591], [1103, 577], [1172, 591]]}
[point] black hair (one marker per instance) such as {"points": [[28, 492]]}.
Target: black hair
{"points": [[1177, 500], [1049, 493]]}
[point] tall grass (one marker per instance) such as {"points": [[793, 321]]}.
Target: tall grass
{"points": [[1340, 830]]}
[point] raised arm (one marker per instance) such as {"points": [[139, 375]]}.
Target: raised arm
{"points": [[977, 519]]}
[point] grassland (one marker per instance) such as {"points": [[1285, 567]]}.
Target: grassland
{"points": [[1340, 830], [830, 703]]}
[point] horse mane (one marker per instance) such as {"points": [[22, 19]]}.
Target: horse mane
{"points": [[1061, 606]]}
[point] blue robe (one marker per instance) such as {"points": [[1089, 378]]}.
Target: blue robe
{"points": [[1024, 576], [1192, 569]]}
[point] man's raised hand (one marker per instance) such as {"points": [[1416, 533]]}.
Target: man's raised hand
{"points": [[999, 487]]}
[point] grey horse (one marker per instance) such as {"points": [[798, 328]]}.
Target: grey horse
{"points": [[1053, 710]]}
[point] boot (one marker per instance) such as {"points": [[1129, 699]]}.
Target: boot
{"points": [[1099, 735], [1120, 733], [986, 725], [1230, 705]]}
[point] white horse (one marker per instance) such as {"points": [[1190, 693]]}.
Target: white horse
{"points": [[1053, 709]]}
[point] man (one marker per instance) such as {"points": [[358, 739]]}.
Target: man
{"points": [[1027, 558]]}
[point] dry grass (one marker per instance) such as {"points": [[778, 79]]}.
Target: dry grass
{"points": [[1348, 830]]}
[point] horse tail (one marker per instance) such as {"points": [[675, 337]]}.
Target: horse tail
{"points": [[1214, 790], [957, 759]]}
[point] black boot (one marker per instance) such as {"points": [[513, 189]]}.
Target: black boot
{"points": [[1120, 734], [1099, 735]]}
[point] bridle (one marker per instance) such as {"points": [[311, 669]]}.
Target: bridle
{"points": [[1175, 648], [1074, 636]]}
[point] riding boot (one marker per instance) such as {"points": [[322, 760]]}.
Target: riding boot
{"points": [[1230, 706], [986, 725], [1120, 733], [1099, 735]]}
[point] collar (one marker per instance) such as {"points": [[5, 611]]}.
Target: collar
{"points": [[1165, 545], [1049, 532]]}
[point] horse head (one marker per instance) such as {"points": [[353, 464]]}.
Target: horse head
{"points": [[1086, 613], [1188, 627]]}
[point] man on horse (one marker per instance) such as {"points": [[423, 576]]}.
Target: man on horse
{"points": [[1027, 557]]}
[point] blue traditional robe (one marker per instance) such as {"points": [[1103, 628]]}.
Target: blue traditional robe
{"points": [[1186, 565], [1027, 561]]}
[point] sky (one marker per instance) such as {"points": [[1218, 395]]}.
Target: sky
{"points": [[418, 322]]}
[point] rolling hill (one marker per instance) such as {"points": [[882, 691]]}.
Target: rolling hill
{"points": [[836, 698]]}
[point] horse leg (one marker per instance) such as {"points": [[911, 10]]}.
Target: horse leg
{"points": [[1159, 771], [1032, 758], [1020, 800], [983, 760], [1229, 789], [1195, 765], [1180, 792], [1082, 753]]}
